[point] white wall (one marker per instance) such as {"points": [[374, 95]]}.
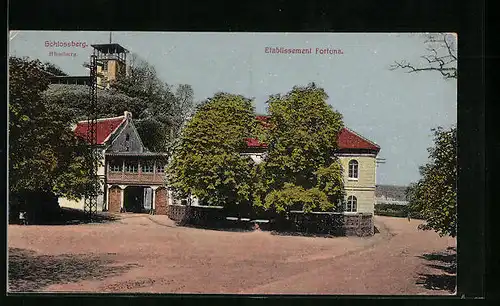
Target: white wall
{"points": [[63, 202]]}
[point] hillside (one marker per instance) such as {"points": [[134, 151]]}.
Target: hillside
{"points": [[391, 192]]}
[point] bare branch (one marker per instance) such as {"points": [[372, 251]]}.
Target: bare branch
{"points": [[449, 48], [436, 60]]}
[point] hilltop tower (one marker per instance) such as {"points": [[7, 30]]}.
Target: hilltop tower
{"points": [[111, 63]]}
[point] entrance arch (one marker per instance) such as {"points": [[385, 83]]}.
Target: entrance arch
{"points": [[133, 200]]}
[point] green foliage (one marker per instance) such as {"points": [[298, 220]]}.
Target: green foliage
{"points": [[74, 99], [434, 196], [158, 112], [53, 69], [396, 210], [142, 83], [153, 134], [44, 154], [111, 103], [296, 197], [159, 104], [302, 138], [330, 181], [207, 162]]}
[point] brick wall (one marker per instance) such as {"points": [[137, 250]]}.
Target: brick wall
{"points": [[161, 202], [114, 199]]}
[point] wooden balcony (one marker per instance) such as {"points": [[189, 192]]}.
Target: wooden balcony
{"points": [[137, 178]]}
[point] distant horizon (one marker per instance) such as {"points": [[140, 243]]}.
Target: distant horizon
{"points": [[394, 109]]}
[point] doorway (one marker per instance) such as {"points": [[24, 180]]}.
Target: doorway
{"points": [[137, 199]]}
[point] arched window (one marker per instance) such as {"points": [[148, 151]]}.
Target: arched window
{"points": [[353, 169], [351, 204]]}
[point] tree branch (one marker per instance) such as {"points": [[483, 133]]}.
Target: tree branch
{"points": [[436, 61]]}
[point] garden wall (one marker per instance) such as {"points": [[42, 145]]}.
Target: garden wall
{"points": [[329, 223], [333, 223]]}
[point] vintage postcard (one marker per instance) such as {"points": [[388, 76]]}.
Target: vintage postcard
{"points": [[232, 163]]}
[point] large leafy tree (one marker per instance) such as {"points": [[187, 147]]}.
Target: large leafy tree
{"points": [[301, 170], [158, 110], [207, 162], [44, 154], [75, 100], [164, 108], [53, 69], [434, 195]]}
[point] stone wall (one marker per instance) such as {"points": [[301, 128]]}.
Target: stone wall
{"points": [[336, 224], [177, 213]]}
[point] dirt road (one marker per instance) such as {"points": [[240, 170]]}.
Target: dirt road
{"points": [[150, 254]]}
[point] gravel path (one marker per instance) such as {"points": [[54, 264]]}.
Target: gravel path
{"points": [[142, 253]]}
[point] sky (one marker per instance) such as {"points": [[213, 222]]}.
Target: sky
{"points": [[394, 109]]}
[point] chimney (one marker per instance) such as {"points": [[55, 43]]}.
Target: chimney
{"points": [[128, 115]]}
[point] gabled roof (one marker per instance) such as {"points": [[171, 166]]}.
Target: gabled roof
{"points": [[105, 127], [347, 139]]}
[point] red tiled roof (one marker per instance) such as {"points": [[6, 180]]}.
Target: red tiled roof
{"points": [[104, 128], [347, 139], [350, 140]]}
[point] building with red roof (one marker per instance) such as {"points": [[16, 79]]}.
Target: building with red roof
{"points": [[105, 128], [348, 140], [357, 155], [132, 178]]}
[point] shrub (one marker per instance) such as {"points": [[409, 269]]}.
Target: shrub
{"points": [[396, 210]]}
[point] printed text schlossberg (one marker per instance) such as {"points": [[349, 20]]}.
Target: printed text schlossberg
{"points": [[323, 51], [66, 44]]}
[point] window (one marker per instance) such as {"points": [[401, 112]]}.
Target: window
{"points": [[160, 168], [351, 205], [147, 167], [131, 167], [353, 169], [115, 166], [127, 142]]}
